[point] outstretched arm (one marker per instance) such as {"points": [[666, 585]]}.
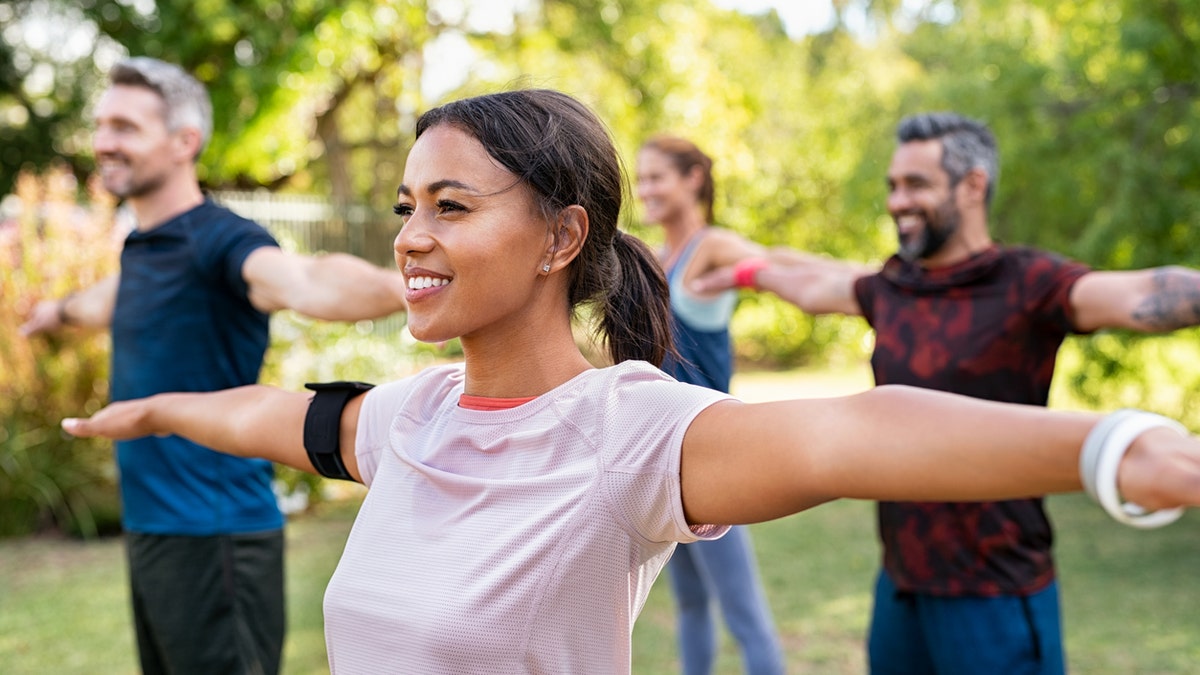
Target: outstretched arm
{"points": [[332, 287], [1153, 300], [907, 444], [814, 284], [250, 421], [91, 307]]}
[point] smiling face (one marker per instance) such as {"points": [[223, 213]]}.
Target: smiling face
{"points": [[473, 242], [665, 193], [136, 154], [921, 200]]}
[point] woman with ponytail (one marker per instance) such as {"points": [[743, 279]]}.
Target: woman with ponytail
{"points": [[521, 503]]}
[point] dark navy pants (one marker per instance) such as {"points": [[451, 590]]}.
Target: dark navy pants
{"points": [[914, 634]]}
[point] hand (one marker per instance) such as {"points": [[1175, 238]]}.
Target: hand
{"points": [[44, 318], [1161, 470], [120, 421]]}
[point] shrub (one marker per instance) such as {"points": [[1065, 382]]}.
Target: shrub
{"points": [[50, 245]]}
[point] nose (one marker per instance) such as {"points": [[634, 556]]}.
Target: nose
{"points": [[898, 199], [103, 140], [414, 237]]}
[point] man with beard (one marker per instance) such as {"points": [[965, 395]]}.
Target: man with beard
{"points": [[966, 587], [189, 311]]}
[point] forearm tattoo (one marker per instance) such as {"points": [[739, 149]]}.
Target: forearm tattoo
{"points": [[1174, 302]]}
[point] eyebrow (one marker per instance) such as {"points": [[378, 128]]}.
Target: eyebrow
{"points": [[437, 186], [910, 177]]}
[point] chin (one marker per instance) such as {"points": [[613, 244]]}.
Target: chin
{"points": [[428, 335]]}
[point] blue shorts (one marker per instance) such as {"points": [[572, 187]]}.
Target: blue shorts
{"points": [[913, 634]]}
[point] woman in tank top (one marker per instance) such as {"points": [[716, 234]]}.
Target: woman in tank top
{"points": [[676, 189]]}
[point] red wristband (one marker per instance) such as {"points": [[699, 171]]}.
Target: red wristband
{"points": [[746, 270]]}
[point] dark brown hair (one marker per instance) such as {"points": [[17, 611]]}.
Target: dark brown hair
{"points": [[558, 148]]}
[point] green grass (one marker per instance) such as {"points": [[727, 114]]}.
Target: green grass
{"points": [[1130, 597]]}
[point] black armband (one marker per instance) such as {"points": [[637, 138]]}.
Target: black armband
{"points": [[323, 424]]}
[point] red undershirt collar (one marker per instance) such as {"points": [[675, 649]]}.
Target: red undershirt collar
{"points": [[488, 403]]}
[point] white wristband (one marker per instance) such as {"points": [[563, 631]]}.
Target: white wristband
{"points": [[1101, 456]]}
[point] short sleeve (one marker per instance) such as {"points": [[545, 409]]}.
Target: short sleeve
{"points": [[1049, 279], [223, 243], [864, 293], [374, 420], [646, 420]]}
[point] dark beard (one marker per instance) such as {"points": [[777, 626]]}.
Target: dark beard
{"points": [[939, 227]]}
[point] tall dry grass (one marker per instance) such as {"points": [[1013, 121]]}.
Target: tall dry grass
{"points": [[56, 236]]}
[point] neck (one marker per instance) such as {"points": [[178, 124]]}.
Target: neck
{"points": [[972, 238], [171, 199], [523, 362], [678, 231]]}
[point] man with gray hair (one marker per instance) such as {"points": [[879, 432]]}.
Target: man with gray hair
{"points": [[966, 587], [189, 311]]}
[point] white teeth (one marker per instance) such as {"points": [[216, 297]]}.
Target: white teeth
{"points": [[418, 283]]}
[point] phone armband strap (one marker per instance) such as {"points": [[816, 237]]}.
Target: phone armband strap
{"points": [[323, 424]]}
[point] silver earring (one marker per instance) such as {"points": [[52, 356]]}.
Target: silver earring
{"points": [[546, 267]]}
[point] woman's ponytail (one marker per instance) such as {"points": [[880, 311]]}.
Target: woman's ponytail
{"points": [[635, 322]]}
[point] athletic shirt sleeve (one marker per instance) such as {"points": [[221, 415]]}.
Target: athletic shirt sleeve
{"points": [[224, 253], [864, 293], [381, 404], [1050, 278], [370, 439], [645, 419]]}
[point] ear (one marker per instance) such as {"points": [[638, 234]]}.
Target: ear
{"points": [[975, 185], [568, 232], [695, 179], [187, 143]]}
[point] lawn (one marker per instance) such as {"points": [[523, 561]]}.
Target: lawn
{"points": [[1130, 597]]}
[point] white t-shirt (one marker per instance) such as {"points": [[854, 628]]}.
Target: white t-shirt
{"points": [[512, 541]]}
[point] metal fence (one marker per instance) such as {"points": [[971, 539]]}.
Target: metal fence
{"points": [[310, 224]]}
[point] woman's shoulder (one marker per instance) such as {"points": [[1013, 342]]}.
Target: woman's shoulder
{"points": [[639, 389], [427, 387]]}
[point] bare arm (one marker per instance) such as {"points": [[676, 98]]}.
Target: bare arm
{"points": [[904, 444], [814, 284], [249, 421], [333, 287], [1153, 300], [91, 307], [721, 248]]}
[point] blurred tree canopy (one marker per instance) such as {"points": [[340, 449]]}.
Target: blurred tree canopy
{"points": [[1094, 103]]}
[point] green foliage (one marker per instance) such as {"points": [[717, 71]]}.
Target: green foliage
{"points": [[1116, 369], [40, 106], [50, 248], [1093, 103]]}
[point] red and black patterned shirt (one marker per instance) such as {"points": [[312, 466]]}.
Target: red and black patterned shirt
{"points": [[988, 327]]}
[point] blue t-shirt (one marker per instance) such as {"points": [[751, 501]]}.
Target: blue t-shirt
{"points": [[700, 327], [183, 322]]}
